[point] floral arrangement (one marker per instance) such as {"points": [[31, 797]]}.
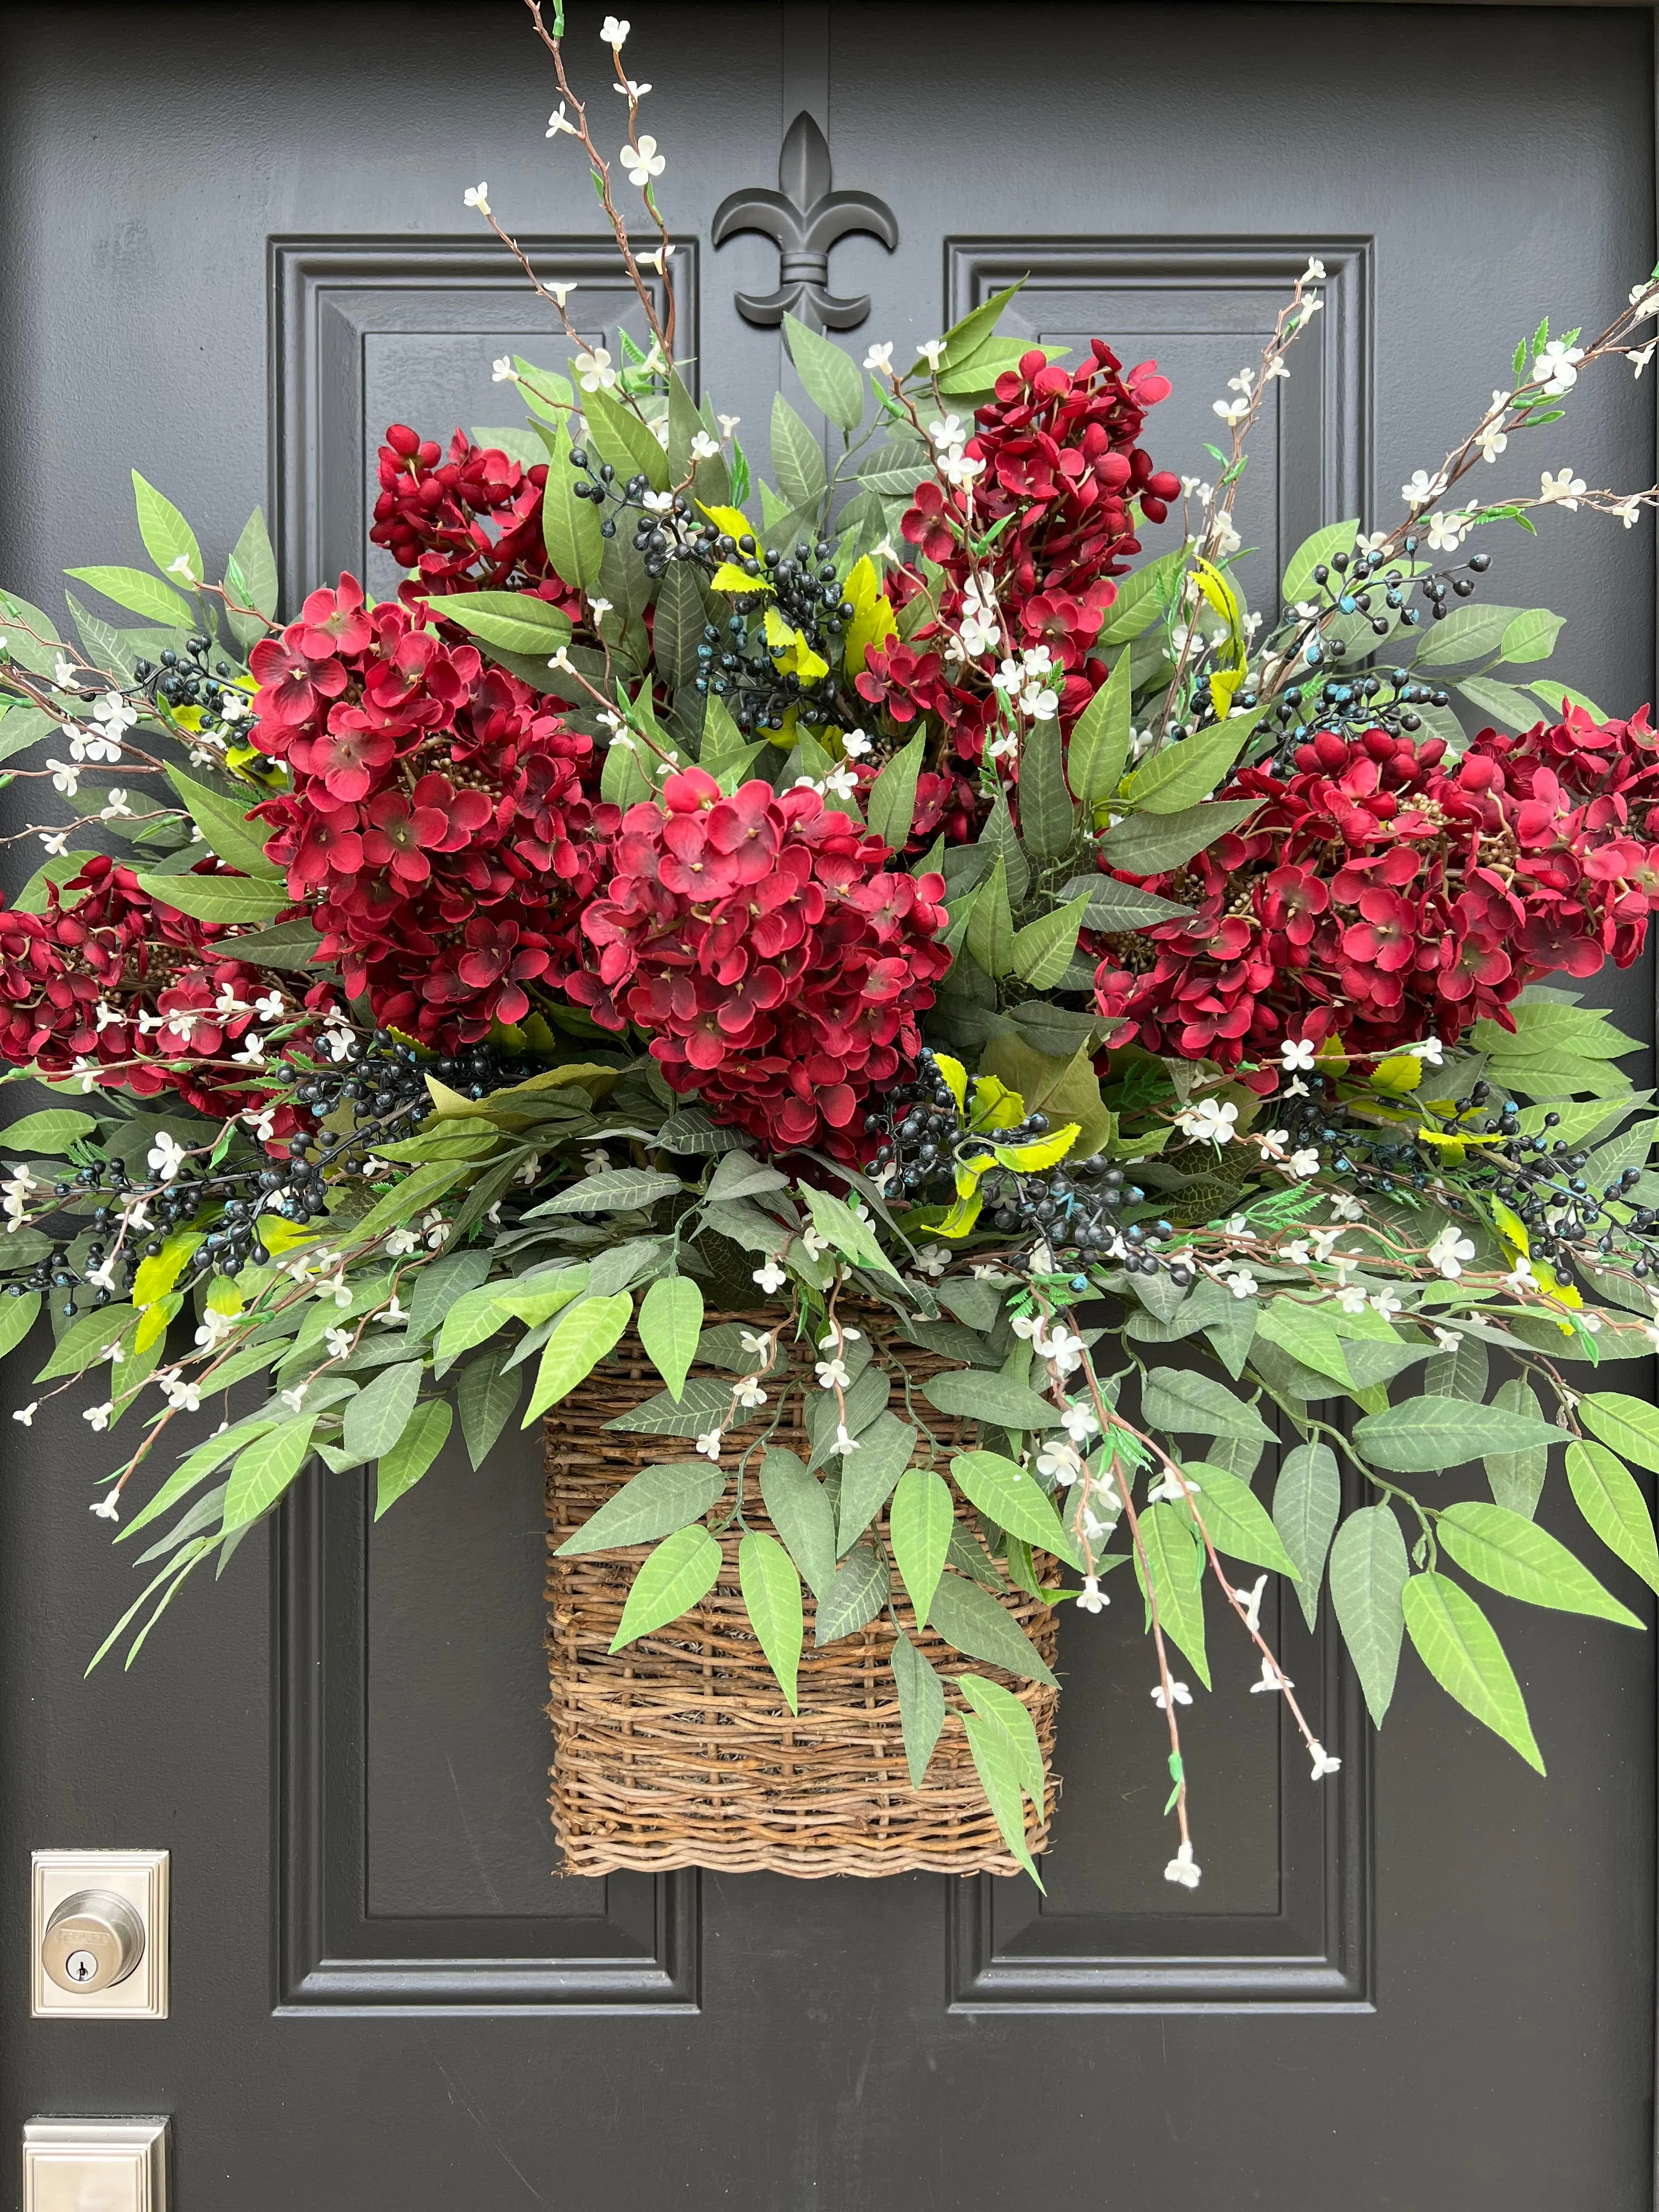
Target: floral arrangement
{"points": [[882, 885]]}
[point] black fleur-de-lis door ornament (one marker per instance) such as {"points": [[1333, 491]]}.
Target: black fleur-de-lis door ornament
{"points": [[804, 219]]}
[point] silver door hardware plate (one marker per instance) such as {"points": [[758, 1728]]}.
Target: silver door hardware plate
{"points": [[99, 1937], [96, 2165]]}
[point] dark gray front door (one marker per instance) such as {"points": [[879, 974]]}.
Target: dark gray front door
{"points": [[232, 247]]}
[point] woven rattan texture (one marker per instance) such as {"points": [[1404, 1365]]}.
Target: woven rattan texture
{"points": [[680, 1750]]}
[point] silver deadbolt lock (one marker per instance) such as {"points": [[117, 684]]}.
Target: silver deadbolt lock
{"points": [[93, 1941]]}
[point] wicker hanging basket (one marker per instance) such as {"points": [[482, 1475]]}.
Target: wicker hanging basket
{"points": [[680, 1750]]}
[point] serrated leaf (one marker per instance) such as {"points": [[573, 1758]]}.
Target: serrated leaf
{"points": [[1197, 1405], [52, 1131], [1509, 1554], [994, 1400], [623, 440], [1152, 844], [514, 622], [771, 1595], [990, 937], [970, 1620], [797, 458], [670, 1322], [996, 1763], [831, 379], [1457, 1644], [1042, 951], [1468, 633], [1142, 597], [1307, 1499], [1425, 1435], [409, 1459], [800, 1511], [1308, 1333], [678, 626], [868, 1475], [1531, 636], [704, 1403], [216, 898], [377, 1415], [237, 842], [1013, 1501], [1459, 1374], [919, 1526], [1610, 1499], [17, 1317], [1114, 906], [890, 807], [616, 1190], [265, 1468], [1099, 744], [256, 562], [1048, 819], [1175, 780], [580, 1340], [1368, 1571], [677, 1574], [921, 1704], [856, 1595]]}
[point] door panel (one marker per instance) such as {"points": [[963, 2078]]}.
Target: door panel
{"points": [[234, 248]]}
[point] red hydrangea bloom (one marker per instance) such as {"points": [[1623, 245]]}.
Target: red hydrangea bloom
{"points": [[470, 521], [775, 964], [109, 985], [1385, 894], [439, 827]]}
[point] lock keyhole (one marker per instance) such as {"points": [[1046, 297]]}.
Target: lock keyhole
{"points": [[93, 1941]]}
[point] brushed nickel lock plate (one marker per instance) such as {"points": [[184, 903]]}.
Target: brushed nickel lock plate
{"points": [[96, 2165], [99, 1935]]}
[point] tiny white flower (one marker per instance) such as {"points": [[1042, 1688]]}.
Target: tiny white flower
{"points": [[845, 1442], [1091, 1598], [1305, 1162], [1315, 271], [477, 195], [855, 744], [1386, 1303], [709, 1443], [1324, 1764], [1231, 411], [560, 294], [338, 1342], [629, 89], [64, 671], [703, 447], [754, 1343], [879, 359], [334, 1286], [1422, 487], [1059, 1462], [1242, 1283], [26, 1413], [1446, 532], [1371, 541], [749, 1394], [65, 776], [392, 1314], [1172, 1487], [771, 1278], [107, 1509], [840, 782], [559, 121], [1178, 1692], [502, 370], [1448, 1339], [294, 1397], [1250, 1603], [97, 1417], [115, 807], [1639, 359], [55, 841], [1556, 369], [1561, 490], [166, 1156], [816, 1246], [1183, 1868], [664, 253], [614, 31], [832, 1375], [1346, 1208], [595, 374], [1449, 1252], [1209, 1120], [1079, 1424], [728, 423], [1352, 1298], [401, 1242], [959, 467], [642, 163], [1520, 1282], [932, 1261], [932, 350], [1271, 1680]]}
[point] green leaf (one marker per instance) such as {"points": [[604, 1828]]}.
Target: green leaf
{"points": [[1309, 1334], [1368, 1571], [486, 1398], [891, 806], [1531, 636], [1099, 743], [265, 1468], [771, 1593], [670, 1322], [990, 936], [800, 1511], [17, 1317], [1014, 1501], [137, 590], [439, 1286], [996, 1763], [994, 1400], [1151, 844], [1455, 1642], [1175, 780], [377, 1415], [1313, 553], [516, 621], [167, 537], [921, 1703], [1558, 696], [1114, 906], [1517, 1477], [702, 1404], [584, 1336], [256, 563], [1459, 1374], [654, 1503], [53, 1131], [423, 1188], [1610, 1499], [1142, 597], [970, 1620], [1468, 633], [831, 380], [33, 899], [1048, 819], [237, 842], [1509, 709], [1508, 1553], [402, 1467], [1235, 1519], [995, 1703], [1042, 951], [797, 458], [1174, 1565], [677, 627], [867, 1475], [617, 1190], [570, 526], [919, 1528], [1628, 1426], [216, 898], [855, 1597], [88, 1338], [1426, 1435], [1197, 1405], [677, 1574], [623, 439], [1307, 1498]]}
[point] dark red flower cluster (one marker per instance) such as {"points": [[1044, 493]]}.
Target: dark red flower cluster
{"points": [[469, 522], [1385, 894], [140, 998], [438, 826], [1061, 457], [774, 961]]}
